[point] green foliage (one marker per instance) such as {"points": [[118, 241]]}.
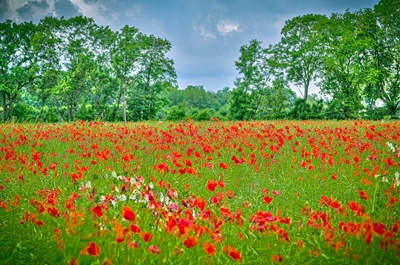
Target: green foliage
{"points": [[65, 70], [177, 112], [204, 115]]}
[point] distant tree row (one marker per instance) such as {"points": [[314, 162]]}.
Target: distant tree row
{"points": [[66, 70], [354, 57], [63, 70]]}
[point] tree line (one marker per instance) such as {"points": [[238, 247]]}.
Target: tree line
{"points": [[65, 70], [353, 57]]}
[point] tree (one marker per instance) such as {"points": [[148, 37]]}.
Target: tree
{"points": [[251, 87], [46, 44], [76, 51], [299, 52], [17, 65], [344, 73], [156, 74], [383, 29], [278, 101], [126, 53]]}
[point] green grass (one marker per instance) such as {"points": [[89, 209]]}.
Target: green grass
{"points": [[303, 161]]}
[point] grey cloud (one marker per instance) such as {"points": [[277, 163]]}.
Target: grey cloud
{"points": [[40, 5], [3, 9], [33, 10], [26, 12], [66, 9]]}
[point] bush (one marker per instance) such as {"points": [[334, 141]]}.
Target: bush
{"points": [[176, 113], [204, 115]]}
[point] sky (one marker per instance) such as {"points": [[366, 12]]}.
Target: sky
{"points": [[206, 35]]}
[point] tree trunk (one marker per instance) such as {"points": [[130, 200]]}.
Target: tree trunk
{"points": [[124, 105], [58, 110], [4, 105]]}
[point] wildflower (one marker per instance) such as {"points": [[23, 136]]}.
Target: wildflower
{"points": [[211, 185], [114, 174], [363, 194], [276, 258], [209, 248], [191, 241], [97, 211], [396, 179], [128, 214], [267, 199], [92, 249], [121, 197], [233, 253], [391, 147], [154, 249], [88, 185]]}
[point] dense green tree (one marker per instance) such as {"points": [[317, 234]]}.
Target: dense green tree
{"points": [[299, 51], [126, 53], [17, 65], [383, 30], [344, 70], [156, 74], [253, 84]]}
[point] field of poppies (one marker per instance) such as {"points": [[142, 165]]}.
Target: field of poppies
{"points": [[200, 193]]}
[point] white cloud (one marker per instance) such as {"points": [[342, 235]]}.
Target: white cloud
{"points": [[224, 27], [206, 34], [278, 24], [94, 10]]}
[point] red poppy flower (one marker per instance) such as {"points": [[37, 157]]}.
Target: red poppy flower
{"points": [[134, 228], [223, 165], [209, 248], [147, 237], [276, 258], [154, 249], [191, 241], [132, 244], [128, 214], [211, 185], [96, 210], [363, 194], [92, 249], [233, 253], [267, 199]]}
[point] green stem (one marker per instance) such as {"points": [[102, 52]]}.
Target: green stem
{"points": [[374, 197]]}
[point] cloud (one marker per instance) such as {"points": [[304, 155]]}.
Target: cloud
{"points": [[280, 23], [39, 5], [26, 12], [4, 7], [224, 27], [204, 33], [66, 9]]}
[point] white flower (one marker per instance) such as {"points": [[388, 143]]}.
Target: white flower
{"points": [[390, 145], [384, 179], [88, 184], [151, 185], [162, 198], [113, 202], [396, 179], [102, 198], [135, 196], [106, 176], [121, 197], [114, 174]]}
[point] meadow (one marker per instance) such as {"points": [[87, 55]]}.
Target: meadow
{"points": [[278, 192]]}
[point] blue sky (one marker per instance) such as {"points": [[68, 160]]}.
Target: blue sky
{"points": [[206, 35]]}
